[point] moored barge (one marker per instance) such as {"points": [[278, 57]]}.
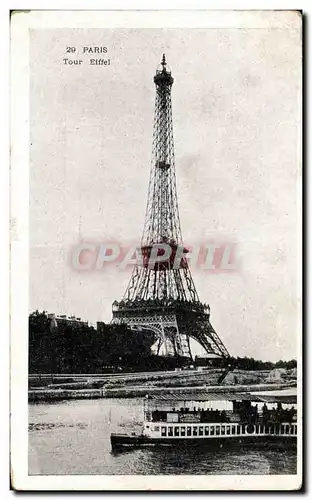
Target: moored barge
{"points": [[242, 419]]}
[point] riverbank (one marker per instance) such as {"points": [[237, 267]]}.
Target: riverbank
{"points": [[158, 378], [123, 392]]}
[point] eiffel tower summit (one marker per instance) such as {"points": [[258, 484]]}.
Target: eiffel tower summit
{"points": [[161, 296]]}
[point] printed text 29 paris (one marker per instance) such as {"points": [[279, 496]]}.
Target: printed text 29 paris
{"points": [[88, 49]]}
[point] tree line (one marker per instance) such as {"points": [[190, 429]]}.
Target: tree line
{"points": [[72, 347]]}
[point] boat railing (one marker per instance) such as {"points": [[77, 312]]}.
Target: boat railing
{"points": [[223, 430]]}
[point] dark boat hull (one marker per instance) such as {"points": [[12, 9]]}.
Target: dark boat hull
{"points": [[124, 441]]}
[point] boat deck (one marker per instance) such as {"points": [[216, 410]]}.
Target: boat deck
{"points": [[210, 435]]}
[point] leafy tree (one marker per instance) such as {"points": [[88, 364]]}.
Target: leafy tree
{"points": [[72, 347]]}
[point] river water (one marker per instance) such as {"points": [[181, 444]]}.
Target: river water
{"points": [[72, 437]]}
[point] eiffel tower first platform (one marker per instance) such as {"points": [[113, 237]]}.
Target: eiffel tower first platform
{"points": [[161, 296]]}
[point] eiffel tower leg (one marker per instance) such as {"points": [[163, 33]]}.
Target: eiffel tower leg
{"points": [[190, 355], [159, 346], [210, 341], [165, 340], [217, 341]]}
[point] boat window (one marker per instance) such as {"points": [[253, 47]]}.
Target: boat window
{"points": [[182, 431], [228, 429], [233, 429], [243, 429], [212, 430], [164, 431], [189, 431], [218, 430], [206, 431], [195, 429], [201, 431], [222, 430], [156, 428], [177, 431], [170, 431]]}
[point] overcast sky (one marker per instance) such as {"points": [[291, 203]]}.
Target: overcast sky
{"points": [[236, 121]]}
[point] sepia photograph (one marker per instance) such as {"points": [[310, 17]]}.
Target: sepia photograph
{"points": [[156, 249]]}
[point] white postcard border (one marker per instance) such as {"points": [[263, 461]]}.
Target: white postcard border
{"points": [[22, 22]]}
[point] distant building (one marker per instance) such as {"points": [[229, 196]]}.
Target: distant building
{"points": [[292, 373], [62, 319], [277, 375], [100, 326]]}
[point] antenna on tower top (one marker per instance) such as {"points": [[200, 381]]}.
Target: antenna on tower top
{"points": [[163, 62]]}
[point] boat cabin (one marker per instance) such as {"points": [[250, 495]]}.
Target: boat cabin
{"points": [[219, 415]]}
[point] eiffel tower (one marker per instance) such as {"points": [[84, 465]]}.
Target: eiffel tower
{"points": [[161, 296]]}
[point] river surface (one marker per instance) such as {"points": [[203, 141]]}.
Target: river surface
{"points": [[72, 437]]}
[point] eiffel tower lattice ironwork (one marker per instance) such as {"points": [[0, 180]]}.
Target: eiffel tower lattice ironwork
{"points": [[161, 296]]}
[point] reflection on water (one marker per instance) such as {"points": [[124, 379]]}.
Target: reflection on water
{"points": [[72, 437]]}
